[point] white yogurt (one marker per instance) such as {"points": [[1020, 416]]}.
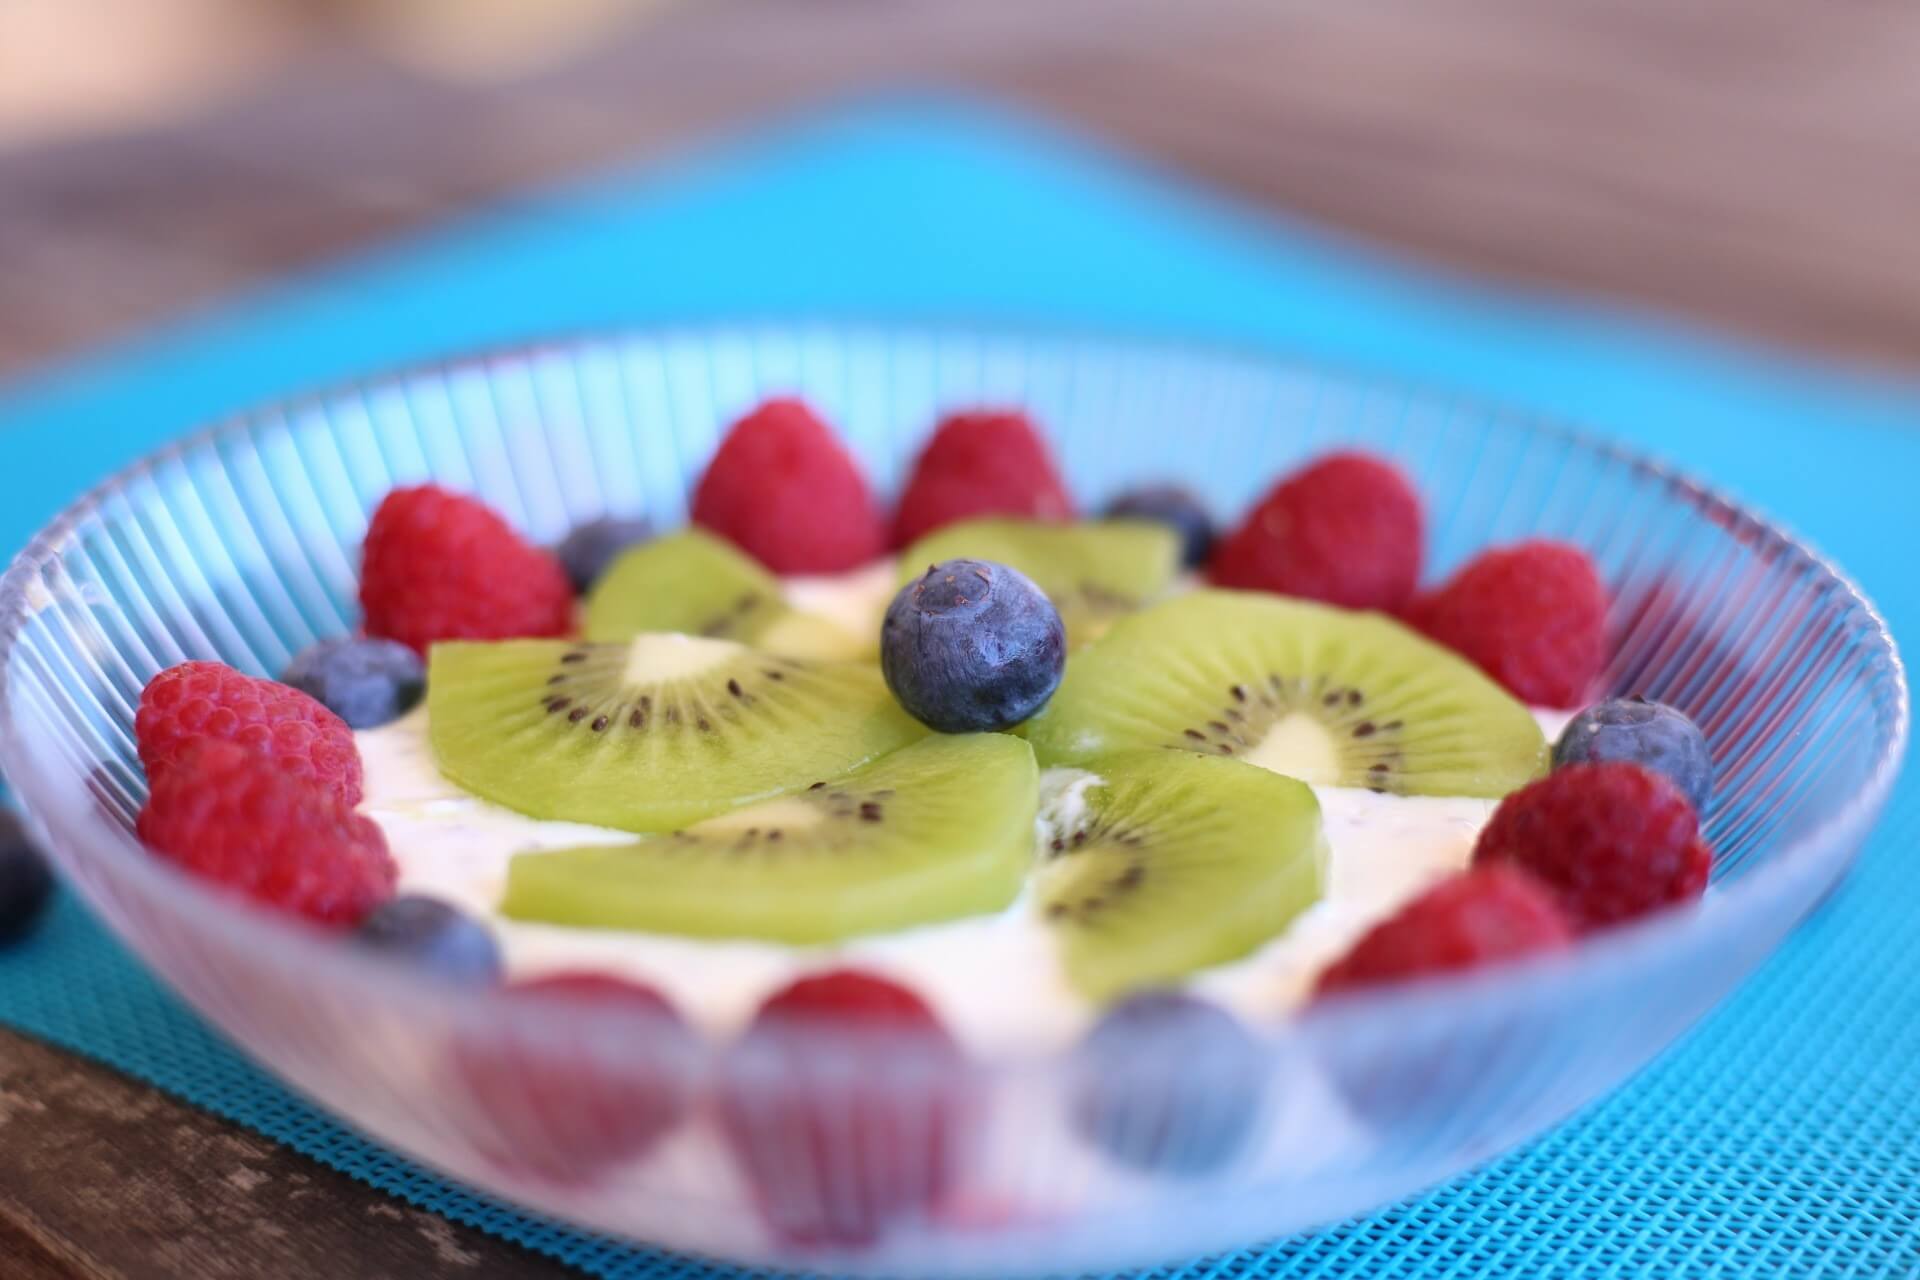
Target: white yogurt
{"points": [[996, 980], [855, 600]]}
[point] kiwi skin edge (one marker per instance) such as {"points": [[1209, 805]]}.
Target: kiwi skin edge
{"points": [[1330, 696], [1172, 862], [653, 734], [936, 831]]}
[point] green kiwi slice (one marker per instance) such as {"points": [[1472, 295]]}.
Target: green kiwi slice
{"points": [[1156, 864], [937, 830], [651, 734], [694, 582], [1094, 571], [1317, 693]]}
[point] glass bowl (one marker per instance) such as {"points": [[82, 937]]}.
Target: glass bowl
{"points": [[240, 544]]}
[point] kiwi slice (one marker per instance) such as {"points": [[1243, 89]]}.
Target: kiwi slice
{"points": [[1161, 863], [694, 582], [1321, 694], [651, 734], [940, 829], [1093, 571]]}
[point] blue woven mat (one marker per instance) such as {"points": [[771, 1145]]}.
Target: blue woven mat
{"points": [[1781, 1138]]}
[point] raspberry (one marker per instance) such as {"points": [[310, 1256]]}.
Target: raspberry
{"points": [[1612, 841], [1345, 530], [441, 566], [196, 701], [848, 998], [782, 489], [1533, 616], [564, 1110], [837, 1153], [1478, 917], [236, 818], [980, 464]]}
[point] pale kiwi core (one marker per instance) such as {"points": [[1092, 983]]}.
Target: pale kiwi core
{"points": [[653, 658], [1300, 747], [786, 813]]}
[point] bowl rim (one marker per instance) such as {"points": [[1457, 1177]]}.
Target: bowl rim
{"points": [[402, 989]]}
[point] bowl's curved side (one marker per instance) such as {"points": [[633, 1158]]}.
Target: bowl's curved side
{"points": [[241, 543]]}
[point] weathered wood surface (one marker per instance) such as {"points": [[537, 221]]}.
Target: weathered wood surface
{"points": [[103, 1178], [1754, 164], [1751, 163]]}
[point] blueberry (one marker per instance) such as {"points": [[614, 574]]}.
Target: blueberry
{"points": [[25, 883], [972, 646], [1167, 1083], [586, 552], [433, 935], [1170, 504], [365, 682], [1640, 732]]}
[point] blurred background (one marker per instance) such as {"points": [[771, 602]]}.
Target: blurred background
{"points": [[1752, 164], [1746, 168]]}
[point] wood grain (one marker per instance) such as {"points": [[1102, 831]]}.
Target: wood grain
{"points": [[107, 1179], [1748, 164], [1753, 164]]}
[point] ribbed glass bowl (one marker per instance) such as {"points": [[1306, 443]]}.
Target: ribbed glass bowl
{"points": [[241, 544]]}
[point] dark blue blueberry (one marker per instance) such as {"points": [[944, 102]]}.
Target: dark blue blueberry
{"points": [[971, 646], [586, 552], [433, 935], [1644, 733], [1170, 504], [365, 682], [1168, 1083], [25, 883]]}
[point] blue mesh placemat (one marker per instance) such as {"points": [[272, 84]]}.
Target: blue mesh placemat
{"points": [[1781, 1138]]}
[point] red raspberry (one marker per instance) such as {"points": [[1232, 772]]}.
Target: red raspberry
{"points": [[1345, 530], [442, 566], [196, 701], [565, 1111], [235, 817], [1612, 841], [782, 489], [1533, 616], [982, 463], [1478, 917], [837, 1148]]}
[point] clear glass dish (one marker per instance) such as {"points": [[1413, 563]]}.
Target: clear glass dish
{"points": [[240, 544]]}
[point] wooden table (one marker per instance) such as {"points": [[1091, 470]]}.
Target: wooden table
{"points": [[1753, 164]]}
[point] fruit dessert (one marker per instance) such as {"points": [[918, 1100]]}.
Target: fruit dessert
{"points": [[972, 775]]}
